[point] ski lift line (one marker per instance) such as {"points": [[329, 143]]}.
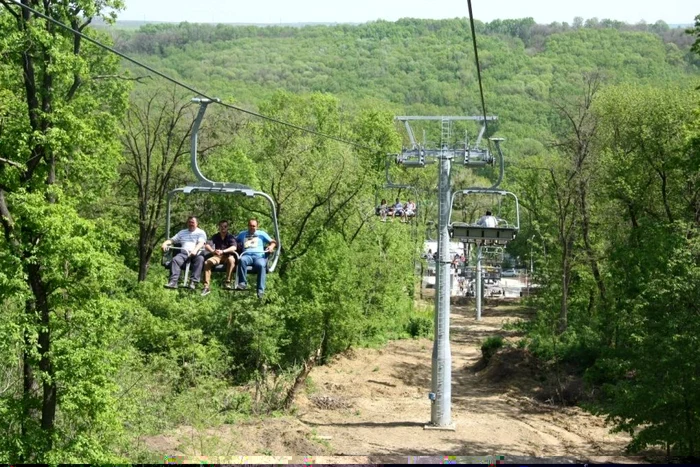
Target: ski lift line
{"points": [[449, 118], [186, 86], [476, 58]]}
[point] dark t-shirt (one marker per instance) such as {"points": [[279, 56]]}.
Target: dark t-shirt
{"points": [[223, 243]]}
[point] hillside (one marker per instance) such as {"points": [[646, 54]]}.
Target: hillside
{"points": [[417, 67]]}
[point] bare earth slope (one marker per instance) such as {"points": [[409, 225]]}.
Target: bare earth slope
{"points": [[372, 405]]}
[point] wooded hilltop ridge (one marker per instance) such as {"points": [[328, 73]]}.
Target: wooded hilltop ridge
{"points": [[602, 128]]}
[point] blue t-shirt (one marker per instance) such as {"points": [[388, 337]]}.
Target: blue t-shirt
{"points": [[253, 244]]}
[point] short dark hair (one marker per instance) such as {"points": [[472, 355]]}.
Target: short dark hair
{"points": [[222, 221], [488, 213], [193, 217]]}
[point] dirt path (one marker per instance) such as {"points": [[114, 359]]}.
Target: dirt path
{"points": [[373, 404]]}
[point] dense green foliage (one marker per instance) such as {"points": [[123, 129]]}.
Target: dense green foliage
{"points": [[96, 354], [615, 214]]}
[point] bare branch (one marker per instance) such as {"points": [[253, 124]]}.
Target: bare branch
{"points": [[12, 163]]}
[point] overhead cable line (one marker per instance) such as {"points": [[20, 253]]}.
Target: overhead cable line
{"points": [[186, 86], [478, 68]]}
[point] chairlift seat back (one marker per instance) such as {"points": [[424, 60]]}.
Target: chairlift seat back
{"points": [[470, 233]]}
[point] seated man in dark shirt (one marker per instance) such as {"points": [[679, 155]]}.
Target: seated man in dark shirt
{"points": [[222, 246]]}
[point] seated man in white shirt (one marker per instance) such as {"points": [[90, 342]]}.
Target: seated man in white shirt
{"points": [[192, 240], [487, 220]]}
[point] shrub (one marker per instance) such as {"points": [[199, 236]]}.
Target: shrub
{"points": [[419, 326], [491, 346]]}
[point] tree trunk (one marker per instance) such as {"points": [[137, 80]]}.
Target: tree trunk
{"points": [[48, 406], [564, 310], [145, 253], [301, 377], [30, 386], [592, 261]]}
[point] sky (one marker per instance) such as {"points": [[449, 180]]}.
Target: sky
{"points": [[360, 11]]}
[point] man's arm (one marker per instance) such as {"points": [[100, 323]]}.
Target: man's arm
{"points": [[208, 247], [200, 243], [271, 246], [166, 244], [233, 247], [272, 243]]}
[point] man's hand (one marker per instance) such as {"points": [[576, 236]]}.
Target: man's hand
{"points": [[218, 252], [165, 246]]}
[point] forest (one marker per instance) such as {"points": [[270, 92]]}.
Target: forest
{"points": [[602, 128]]}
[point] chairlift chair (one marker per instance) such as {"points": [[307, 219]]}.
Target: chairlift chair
{"points": [[500, 235], [207, 186]]}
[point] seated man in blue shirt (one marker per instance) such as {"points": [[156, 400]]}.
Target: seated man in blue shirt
{"points": [[253, 245]]}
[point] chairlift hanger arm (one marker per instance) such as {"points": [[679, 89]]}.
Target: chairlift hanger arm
{"points": [[194, 138], [501, 171]]}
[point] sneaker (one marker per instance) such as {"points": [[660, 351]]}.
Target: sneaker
{"points": [[228, 285], [260, 294], [171, 285], [205, 291], [192, 286], [241, 286]]}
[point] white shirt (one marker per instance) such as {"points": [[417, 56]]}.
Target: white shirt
{"points": [[487, 221], [188, 239]]}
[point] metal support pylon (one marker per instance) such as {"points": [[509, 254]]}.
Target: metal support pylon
{"points": [[479, 286], [441, 384], [441, 409]]}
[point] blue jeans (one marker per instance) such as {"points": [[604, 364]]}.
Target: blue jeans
{"points": [[259, 264]]}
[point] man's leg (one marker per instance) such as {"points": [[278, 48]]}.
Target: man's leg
{"points": [[176, 266], [209, 264], [197, 262], [259, 266], [230, 264], [243, 269]]}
